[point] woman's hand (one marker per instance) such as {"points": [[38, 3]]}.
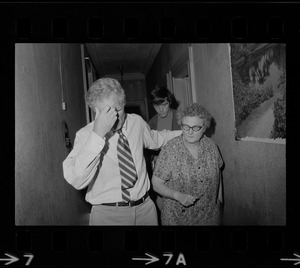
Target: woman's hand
{"points": [[160, 187], [185, 199]]}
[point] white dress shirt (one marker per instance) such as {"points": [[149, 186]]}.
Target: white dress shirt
{"points": [[93, 162]]}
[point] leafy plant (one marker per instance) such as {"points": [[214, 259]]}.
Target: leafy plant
{"points": [[279, 126], [246, 95]]}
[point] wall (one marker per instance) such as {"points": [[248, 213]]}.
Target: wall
{"points": [[42, 196], [167, 56], [254, 176], [135, 90]]}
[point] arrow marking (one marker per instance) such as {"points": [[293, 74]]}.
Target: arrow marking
{"points": [[10, 260], [297, 260], [150, 260]]}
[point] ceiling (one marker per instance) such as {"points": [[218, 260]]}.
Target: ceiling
{"points": [[136, 59]]}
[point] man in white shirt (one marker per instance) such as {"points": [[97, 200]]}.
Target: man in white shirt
{"points": [[96, 159]]}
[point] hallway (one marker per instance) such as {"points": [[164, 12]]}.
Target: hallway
{"points": [[50, 85]]}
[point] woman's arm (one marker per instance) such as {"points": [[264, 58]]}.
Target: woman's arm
{"points": [[160, 187]]}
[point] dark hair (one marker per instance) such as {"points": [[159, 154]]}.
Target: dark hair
{"points": [[160, 94]]}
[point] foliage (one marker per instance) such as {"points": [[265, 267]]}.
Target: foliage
{"points": [[247, 98], [279, 127], [247, 95]]}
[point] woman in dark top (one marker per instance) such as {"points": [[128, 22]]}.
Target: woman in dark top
{"points": [[165, 105], [187, 173]]}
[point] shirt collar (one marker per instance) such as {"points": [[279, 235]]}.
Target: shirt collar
{"points": [[124, 127]]}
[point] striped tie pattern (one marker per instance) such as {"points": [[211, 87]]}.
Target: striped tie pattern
{"points": [[126, 165]]}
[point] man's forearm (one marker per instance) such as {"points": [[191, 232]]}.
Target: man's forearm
{"points": [[154, 139]]}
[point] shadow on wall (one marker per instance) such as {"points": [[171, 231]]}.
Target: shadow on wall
{"points": [[84, 216], [209, 133], [84, 219], [222, 185], [211, 130]]}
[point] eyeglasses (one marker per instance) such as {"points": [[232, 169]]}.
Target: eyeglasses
{"points": [[194, 128]]}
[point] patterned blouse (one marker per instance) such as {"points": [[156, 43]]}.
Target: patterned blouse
{"points": [[198, 177]]}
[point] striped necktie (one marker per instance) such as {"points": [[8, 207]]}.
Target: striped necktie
{"points": [[126, 165]]}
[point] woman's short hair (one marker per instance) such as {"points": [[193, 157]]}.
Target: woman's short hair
{"points": [[194, 110], [104, 87], [160, 94]]}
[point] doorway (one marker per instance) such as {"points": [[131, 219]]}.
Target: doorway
{"points": [[179, 80]]}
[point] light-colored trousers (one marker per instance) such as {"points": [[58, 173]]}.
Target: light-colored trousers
{"points": [[143, 214]]}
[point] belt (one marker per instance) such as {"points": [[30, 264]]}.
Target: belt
{"points": [[130, 203]]}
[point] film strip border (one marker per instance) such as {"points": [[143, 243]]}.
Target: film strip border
{"points": [[167, 28], [111, 247], [153, 22]]}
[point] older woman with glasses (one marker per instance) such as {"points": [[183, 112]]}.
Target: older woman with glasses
{"points": [[187, 173]]}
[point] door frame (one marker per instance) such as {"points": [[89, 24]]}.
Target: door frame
{"points": [[184, 66]]}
